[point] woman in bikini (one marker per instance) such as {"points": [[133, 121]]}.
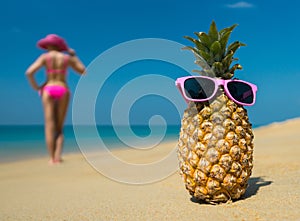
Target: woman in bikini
{"points": [[54, 92]]}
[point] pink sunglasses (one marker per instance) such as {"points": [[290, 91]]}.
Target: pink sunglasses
{"points": [[202, 88]]}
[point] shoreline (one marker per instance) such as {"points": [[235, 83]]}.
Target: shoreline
{"points": [[28, 142], [73, 148], [44, 155]]}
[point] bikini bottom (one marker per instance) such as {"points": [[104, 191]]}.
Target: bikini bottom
{"points": [[55, 91]]}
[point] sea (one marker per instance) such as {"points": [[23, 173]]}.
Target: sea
{"points": [[22, 142]]}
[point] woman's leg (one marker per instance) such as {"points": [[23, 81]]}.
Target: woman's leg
{"points": [[48, 104], [60, 112]]}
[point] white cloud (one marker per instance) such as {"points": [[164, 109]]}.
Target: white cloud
{"points": [[240, 5]]}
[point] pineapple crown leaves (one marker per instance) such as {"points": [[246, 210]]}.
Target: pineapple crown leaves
{"points": [[212, 53]]}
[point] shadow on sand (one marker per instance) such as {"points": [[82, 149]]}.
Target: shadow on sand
{"points": [[254, 184]]}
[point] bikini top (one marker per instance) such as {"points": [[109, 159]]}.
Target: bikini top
{"points": [[56, 71]]}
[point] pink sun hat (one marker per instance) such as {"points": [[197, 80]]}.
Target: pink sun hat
{"points": [[54, 40]]}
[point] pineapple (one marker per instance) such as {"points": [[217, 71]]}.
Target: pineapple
{"points": [[215, 147]]}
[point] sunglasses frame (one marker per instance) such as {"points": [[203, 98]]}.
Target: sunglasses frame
{"points": [[218, 82]]}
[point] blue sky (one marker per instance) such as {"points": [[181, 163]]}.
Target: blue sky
{"points": [[269, 28]]}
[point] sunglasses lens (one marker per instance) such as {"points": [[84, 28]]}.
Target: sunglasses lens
{"points": [[241, 92], [199, 88]]}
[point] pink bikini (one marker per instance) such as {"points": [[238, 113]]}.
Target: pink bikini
{"points": [[56, 91]]}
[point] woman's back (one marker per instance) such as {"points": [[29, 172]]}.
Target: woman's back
{"points": [[56, 64]]}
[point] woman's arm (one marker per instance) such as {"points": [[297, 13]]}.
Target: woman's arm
{"points": [[75, 62], [33, 68]]}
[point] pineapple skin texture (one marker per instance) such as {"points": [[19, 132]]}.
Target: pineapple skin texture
{"points": [[215, 150]]}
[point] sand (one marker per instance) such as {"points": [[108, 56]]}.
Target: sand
{"points": [[74, 190]]}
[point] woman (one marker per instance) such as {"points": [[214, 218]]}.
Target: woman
{"points": [[54, 92]]}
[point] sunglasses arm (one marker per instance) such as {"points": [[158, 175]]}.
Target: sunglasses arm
{"points": [[180, 89]]}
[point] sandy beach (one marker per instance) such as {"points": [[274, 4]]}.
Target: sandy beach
{"points": [[74, 190]]}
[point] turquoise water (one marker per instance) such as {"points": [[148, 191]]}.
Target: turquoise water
{"points": [[25, 142]]}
